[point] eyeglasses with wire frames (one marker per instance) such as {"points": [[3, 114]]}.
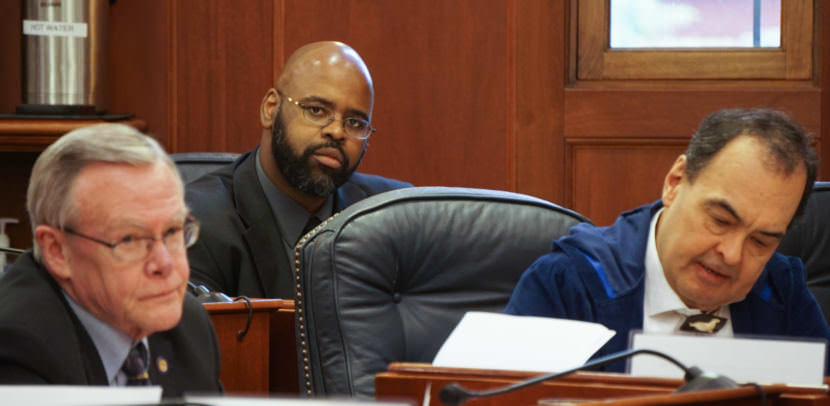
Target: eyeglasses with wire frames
{"points": [[321, 116], [131, 248]]}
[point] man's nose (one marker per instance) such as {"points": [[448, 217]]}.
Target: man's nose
{"points": [[731, 248], [335, 129], [160, 260]]}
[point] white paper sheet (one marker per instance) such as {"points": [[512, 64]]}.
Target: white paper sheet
{"points": [[763, 361], [60, 395], [520, 343]]}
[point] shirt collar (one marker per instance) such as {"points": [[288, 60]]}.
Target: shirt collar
{"points": [[112, 344], [659, 296]]}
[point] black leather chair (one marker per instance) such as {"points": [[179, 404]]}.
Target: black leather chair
{"points": [[809, 239], [389, 277], [195, 164]]}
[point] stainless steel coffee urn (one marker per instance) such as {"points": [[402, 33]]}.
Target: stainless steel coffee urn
{"points": [[64, 57]]}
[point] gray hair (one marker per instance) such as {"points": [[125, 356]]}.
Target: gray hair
{"points": [[49, 197]]}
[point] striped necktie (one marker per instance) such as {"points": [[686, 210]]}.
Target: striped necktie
{"points": [[135, 366]]}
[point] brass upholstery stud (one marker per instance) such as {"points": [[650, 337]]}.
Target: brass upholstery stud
{"points": [[298, 302]]}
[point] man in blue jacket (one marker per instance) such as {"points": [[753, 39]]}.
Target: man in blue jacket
{"points": [[704, 255]]}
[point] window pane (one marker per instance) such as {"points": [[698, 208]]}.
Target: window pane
{"points": [[695, 23]]}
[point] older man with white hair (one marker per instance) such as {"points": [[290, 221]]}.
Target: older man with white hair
{"points": [[101, 298]]}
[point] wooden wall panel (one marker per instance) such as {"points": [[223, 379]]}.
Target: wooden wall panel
{"points": [[440, 72], [606, 177], [139, 56], [222, 67], [540, 43], [671, 113], [474, 93], [10, 32], [622, 141], [822, 55]]}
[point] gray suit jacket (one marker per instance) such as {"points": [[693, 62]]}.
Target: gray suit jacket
{"points": [[43, 342], [239, 251]]}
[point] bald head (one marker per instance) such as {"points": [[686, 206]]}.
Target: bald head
{"points": [[307, 146], [324, 59]]}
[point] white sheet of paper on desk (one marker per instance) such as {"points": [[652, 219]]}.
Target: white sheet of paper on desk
{"points": [[520, 343], [763, 361], [60, 395]]}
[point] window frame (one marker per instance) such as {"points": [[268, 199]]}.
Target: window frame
{"points": [[596, 60]]}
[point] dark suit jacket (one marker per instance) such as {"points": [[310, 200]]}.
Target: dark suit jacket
{"points": [[239, 251], [43, 342]]}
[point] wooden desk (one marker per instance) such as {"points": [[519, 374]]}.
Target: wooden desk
{"points": [[747, 395], [265, 359], [409, 381]]}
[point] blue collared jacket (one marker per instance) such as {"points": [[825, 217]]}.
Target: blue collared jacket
{"points": [[597, 274]]}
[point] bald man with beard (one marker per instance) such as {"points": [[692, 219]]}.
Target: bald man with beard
{"points": [[316, 124]]}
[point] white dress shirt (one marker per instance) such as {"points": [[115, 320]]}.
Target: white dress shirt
{"points": [[663, 311]]}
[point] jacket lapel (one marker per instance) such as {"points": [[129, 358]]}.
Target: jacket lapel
{"points": [[93, 368], [349, 193], [760, 312], [261, 232], [161, 362]]}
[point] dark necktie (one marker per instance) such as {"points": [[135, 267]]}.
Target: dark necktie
{"points": [[703, 323], [135, 366], [312, 222]]}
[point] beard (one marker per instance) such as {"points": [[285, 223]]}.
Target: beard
{"points": [[298, 170]]}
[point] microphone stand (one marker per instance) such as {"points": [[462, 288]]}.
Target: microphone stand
{"points": [[454, 394], [14, 251]]}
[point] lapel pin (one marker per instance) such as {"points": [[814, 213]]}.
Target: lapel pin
{"points": [[162, 364]]}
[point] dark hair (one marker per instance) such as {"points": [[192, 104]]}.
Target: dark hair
{"points": [[788, 144]]}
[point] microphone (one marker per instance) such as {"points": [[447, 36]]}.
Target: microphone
{"points": [[696, 379], [205, 295]]}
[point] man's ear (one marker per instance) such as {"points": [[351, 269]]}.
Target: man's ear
{"points": [[53, 251], [269, 107], [674, 179]]}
